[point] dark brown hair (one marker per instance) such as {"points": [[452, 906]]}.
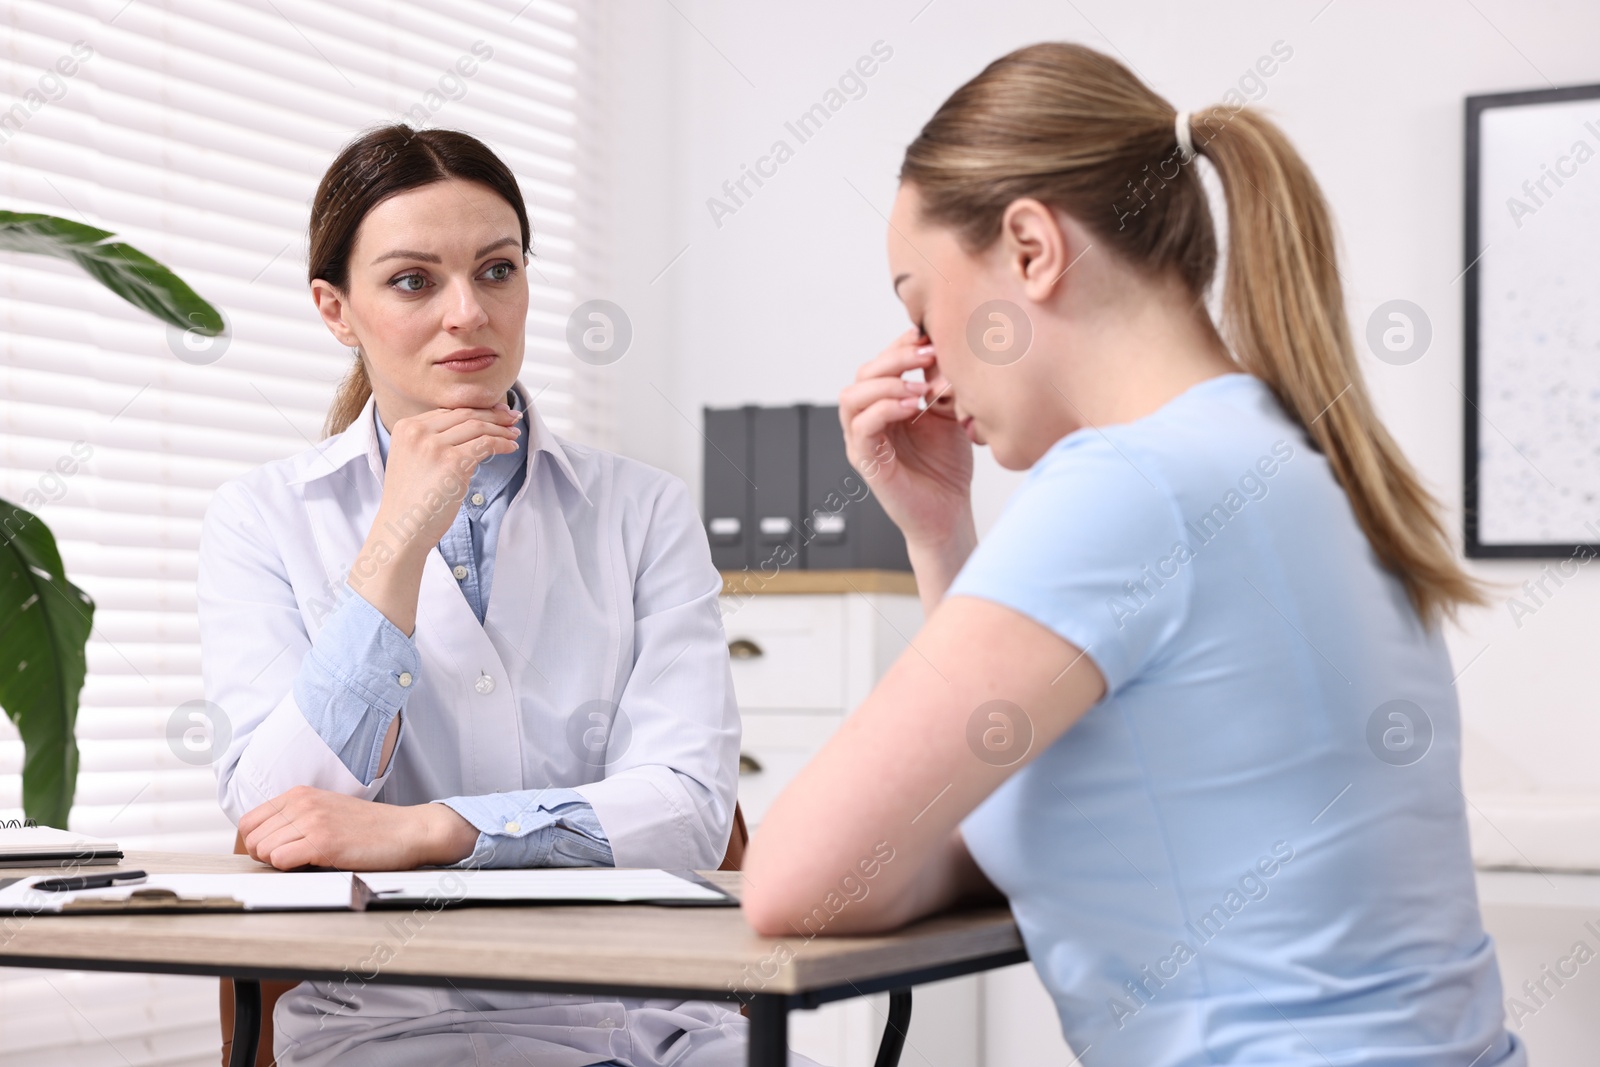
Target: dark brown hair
{"points": [[1075, 129], [382, 162]]}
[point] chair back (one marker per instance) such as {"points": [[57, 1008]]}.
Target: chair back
{"points": [[733, 859]]}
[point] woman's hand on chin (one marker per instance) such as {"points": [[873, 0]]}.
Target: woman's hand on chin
{"points": [[308, 826]]}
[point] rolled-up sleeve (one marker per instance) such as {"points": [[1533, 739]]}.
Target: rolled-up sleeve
{"points": [[355, 680], [253, 643], [533, 828]]}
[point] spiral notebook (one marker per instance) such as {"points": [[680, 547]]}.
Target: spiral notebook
{"points": [[27, 844]]}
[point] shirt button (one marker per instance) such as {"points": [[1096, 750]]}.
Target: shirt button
{"points": [[477, 499], [484, 684], [405, 679], [460, 572], [513, 827]]}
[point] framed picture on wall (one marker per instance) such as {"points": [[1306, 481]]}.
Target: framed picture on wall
{"points": [[1532, 329]]}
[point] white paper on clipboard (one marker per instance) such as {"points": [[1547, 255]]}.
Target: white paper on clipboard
{"points": [[299, 891], [551, 885]]}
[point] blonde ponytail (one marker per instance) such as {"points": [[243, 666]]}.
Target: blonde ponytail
{"points": [[1077, 130], [1283, 315], [349, 400]]}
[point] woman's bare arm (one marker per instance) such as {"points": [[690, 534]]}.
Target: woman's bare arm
{"points": [[866, 837]]}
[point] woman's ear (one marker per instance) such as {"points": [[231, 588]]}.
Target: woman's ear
{"points": [[1039, 246], [331, 306]]}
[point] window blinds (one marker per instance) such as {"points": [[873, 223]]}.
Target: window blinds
{"points": [[196, 130]]}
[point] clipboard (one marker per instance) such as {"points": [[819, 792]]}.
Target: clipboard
{"points": [[436, 887], [163, 900], [180, 893], [433, 888]]}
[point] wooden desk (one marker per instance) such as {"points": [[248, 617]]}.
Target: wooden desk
{"points": [[614, 950]]}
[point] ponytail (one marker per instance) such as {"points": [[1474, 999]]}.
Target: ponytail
{"points": [[1283, 316], [349, 400], [1077, 130]]}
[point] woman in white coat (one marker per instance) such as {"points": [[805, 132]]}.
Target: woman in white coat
{"points": [[385, 711]]}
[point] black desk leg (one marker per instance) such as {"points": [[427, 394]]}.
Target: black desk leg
{"points": [[894, 1031], [769, 1031], [246, 1022]]}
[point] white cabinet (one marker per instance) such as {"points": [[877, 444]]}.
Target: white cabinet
{"points": [[788, 651], [807, 648], [776, 745], [804, 660], [1546, 929]]}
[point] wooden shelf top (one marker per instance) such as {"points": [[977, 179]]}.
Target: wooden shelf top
{"points": [[749, 582], [708, 949]]}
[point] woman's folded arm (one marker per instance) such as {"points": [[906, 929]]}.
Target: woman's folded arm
{"points": [[354, 681], [533, 828], [254, 645]]}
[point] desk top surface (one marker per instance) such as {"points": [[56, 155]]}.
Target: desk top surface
{"points": [[634, 946]]}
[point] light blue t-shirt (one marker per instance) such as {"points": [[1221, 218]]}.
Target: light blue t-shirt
{"points": [[1254, 848]]}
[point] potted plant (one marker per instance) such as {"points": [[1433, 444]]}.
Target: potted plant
{"points": [[45, 620]]}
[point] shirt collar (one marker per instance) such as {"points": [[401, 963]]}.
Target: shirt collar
{"points": [[493, 474], [361, 439]]}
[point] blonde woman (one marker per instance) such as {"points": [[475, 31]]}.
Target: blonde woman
{"points": [[1187, 706]]}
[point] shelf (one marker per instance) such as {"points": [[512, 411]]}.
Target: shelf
{"points": [[748, 582]]}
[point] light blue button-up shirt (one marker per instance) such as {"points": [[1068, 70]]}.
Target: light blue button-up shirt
{"points": [[355, 678]]}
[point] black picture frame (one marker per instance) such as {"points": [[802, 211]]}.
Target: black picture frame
{"points": [[1472, 253]]}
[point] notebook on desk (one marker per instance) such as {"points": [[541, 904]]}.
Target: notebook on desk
{"points": [[30, 845], [343, 891]]}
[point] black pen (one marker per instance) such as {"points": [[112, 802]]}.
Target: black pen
{"points": [[88, 881]]}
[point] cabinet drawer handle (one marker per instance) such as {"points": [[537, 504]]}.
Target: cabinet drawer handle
{"points": [[744, 648], [749, 764]]}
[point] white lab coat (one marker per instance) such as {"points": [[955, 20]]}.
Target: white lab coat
{"points": [[603, 590]]}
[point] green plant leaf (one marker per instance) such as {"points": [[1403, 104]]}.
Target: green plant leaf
{"points": [[123, 269], [44, 628]]}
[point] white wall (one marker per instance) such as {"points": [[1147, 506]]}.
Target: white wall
{"points": [[782, 300]]}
